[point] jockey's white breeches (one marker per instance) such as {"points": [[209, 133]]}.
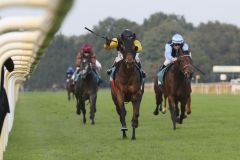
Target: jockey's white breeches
{"points": [[120, 57], [98, 65]]}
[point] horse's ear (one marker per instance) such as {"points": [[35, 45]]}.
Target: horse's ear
{"points": [[134, 36], [136, 48], [122, 36]]}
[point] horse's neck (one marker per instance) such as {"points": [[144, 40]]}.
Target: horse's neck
{"points": [[127, 71], [176, 71]]}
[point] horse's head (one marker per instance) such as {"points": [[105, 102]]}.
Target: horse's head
{"points": [[185, 64], [85, 67], [128, 49]]}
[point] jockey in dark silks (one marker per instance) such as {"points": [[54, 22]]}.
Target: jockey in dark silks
{"points": [[69, 72], [87, 48], [115, 43]]}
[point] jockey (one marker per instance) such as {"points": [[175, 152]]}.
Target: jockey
{"points": [[87, 48], [172, 46], [114, 43], [69, 72]]}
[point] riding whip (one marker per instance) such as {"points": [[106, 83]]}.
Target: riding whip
{"points": [[199, 70], [98, 35]]}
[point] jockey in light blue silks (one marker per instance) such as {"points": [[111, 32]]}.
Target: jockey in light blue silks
{"points": [[172, 46]]}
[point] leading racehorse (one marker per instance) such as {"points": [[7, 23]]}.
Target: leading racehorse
{"points": [[127, 85], [176, 88], [86, 88]]}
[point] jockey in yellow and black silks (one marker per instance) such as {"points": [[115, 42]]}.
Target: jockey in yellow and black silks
{"points": [[114, 43]]}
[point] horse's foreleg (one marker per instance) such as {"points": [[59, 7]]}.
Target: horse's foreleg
{"points": [[78, 107], [172, 108], [93, 99], [136, 107], [83, 111], [182, 116], [188, 108], [177, 109]]}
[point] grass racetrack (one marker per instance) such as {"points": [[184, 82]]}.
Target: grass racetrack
{"points": [[46, 127]]}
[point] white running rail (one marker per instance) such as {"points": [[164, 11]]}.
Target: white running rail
{"points": [[24, 39]]}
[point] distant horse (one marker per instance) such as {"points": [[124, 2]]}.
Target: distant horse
{"points": [[86, 88], [70, 88], [127, 85], [176, 88]]}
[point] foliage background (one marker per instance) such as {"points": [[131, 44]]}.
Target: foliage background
{"points": [[211, 43]]}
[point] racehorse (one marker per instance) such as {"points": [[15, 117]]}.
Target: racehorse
{"points": [[127, 85], [86, 88], [70, 88], [176, 88]]}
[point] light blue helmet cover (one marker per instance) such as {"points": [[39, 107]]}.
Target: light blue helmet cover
{"points": [[177, 39]]}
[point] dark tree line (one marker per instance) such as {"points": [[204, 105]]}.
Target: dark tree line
{"points": [[211, 44]]}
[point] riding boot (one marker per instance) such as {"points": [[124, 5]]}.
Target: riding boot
{"points": [[163, 66], [75, 76], [99, 79], [109, 71], [141, 70]]}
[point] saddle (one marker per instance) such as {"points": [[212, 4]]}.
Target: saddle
{"points": [[116, 67], [161, 74]]}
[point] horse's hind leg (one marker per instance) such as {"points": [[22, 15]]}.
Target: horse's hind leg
{"points": [[69, 97], [172, 108], [164, 108], [93, 99], [158, 97]]}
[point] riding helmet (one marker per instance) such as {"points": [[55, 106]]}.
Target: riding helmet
{"points": [[177, 39], [86, 48], [128, 34]]}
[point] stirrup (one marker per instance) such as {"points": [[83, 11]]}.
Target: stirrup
{"points": [[109, 71], [143, 74]]}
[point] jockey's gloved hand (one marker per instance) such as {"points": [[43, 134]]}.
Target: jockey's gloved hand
{"points": [[174, 59], [108, 41]]}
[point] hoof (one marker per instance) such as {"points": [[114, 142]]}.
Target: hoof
{"points": [[92, 123], [189, 112], [164, 112], [178, 120], [78, 112], [156, 112], [133, 138], [84, 121], [124, 137]]}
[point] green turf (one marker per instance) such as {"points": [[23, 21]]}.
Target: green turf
{"points": [[47, 128]]}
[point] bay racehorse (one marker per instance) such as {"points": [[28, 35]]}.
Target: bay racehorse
{"points": [[176, 88], [127, 85], [70, 88], [86, 88]]}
